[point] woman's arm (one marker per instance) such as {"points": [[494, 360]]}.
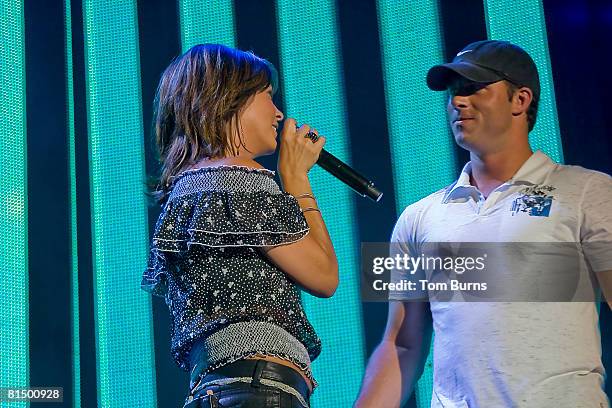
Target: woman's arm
{"points": [[311, 262]]}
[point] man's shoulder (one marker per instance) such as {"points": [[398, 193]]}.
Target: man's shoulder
{"points": [[577, 171], [580, 178], [411, 218], [426, 202]]}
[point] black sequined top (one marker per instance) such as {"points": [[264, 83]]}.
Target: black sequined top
{"points": [[206, 262]]}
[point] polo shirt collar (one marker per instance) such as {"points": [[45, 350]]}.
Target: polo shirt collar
{"points": [[533, 171]]}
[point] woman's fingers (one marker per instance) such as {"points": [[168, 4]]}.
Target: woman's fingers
{"points": [[288, 128], [318, 146], [300, 147], [313, 135], [303, 130], [289, 123], [320, 142]]}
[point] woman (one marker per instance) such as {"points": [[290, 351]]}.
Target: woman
{"points": [[230, 249]]}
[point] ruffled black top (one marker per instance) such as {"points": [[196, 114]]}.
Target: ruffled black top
{"points": [[206, 261]]}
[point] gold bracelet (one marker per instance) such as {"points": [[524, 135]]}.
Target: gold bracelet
{"points": [[310, 209], [305, 195]]}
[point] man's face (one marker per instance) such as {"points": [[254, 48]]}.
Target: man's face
{"points": [[480, 114]]}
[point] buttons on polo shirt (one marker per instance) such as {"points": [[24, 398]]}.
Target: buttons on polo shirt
{"points": [[497, 196]]}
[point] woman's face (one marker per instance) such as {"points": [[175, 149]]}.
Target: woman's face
{"points": [[258, 123]]}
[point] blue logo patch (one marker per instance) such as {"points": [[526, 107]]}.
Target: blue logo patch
{"points": [[534, 201]]}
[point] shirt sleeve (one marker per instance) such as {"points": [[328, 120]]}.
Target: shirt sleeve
{"points": [[155, 277], [402, 246], [220, 220], [246, 219], [596, 226]]}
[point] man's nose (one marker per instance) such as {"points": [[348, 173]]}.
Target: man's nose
{"points": [[458, 101]]}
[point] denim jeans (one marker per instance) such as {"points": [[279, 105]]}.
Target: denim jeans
{"points": [[243, 395]]}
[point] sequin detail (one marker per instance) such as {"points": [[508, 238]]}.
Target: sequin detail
{"points": [[205, 260]]}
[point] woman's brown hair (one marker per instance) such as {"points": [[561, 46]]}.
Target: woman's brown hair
{"points": [[196, 107]]}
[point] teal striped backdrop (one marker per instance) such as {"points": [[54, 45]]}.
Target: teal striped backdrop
{"points": [[411, 41]]}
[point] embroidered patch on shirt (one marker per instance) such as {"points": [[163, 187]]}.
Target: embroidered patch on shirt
{"points": [[534, 201]]}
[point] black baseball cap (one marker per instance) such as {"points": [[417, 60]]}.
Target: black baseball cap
{"points": [[488, 61]]}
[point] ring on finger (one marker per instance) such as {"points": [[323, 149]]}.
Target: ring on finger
{"points": [[312, 136]]}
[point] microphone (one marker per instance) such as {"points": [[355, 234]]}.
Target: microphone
{"points": [[347, 175]]}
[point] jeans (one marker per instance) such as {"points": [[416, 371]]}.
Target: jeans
{"points": [[243, 395], [250, 383]]}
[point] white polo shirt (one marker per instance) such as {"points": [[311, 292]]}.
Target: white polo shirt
{"points": [[518, 354]]}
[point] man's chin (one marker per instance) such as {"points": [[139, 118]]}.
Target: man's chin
{"points": [[462, 139], [467, 142]]}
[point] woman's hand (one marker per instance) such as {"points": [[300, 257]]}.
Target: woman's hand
{"points": [[311, 262], [297, 153]]}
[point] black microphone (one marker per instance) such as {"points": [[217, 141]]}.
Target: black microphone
{"points": [[347, 175]]}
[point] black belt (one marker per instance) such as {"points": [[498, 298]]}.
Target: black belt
{"points": [[258, 369]]}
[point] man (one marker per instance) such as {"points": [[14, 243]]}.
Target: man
{"points": [[500, 354]]}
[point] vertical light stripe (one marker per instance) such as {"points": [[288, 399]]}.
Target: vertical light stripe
{"points": [[14, 308], [422, 153], [74, 259], [311, 72], [423, 158], [506, 21], [209, 22], [123, 316]]}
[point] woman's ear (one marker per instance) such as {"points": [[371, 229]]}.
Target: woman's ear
{"points": [[521, 100]]}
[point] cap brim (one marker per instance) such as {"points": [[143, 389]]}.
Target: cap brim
{"points": [[440, 76]]}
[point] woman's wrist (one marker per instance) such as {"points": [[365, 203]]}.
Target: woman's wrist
{"points": [[293, 175], [295, 184], [305, 195]]}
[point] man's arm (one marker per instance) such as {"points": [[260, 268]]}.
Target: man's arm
{"points": [[398, 361], [605, 282], [596, 229]]}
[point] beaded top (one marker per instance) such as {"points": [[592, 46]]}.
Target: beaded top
{"points": [[206, 260]]}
